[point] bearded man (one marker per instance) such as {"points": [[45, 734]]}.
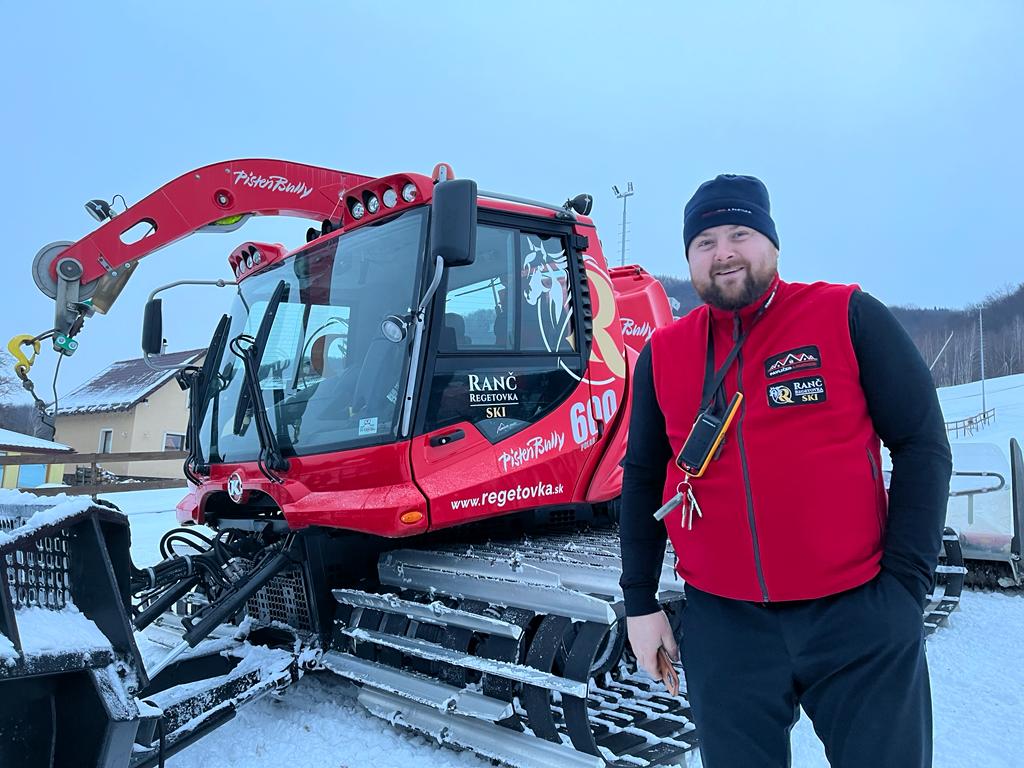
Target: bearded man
{"points": [[756, 422]]}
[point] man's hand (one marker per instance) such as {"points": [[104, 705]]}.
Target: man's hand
{"points": [[646, 635]]}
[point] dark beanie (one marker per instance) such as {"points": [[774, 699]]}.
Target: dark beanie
{"points": [[729, 199]]}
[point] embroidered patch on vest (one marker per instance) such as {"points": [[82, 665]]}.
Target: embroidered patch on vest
{"points": [[804, 391], [799, 359]]}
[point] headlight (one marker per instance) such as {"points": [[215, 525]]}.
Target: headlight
{"points": [[390, 198], [409, 192], [372, 203], [357, 210]]}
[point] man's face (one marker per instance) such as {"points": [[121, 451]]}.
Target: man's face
{"points": [[731, 265]]}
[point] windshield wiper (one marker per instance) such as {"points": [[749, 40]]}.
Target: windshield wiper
{"points": [[200, 385], [250, 350]]}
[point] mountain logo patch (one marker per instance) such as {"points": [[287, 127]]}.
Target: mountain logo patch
{"points": [[799, 359], [804, 391]]}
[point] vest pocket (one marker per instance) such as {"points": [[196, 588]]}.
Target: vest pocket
{"points": [[876, 477]]}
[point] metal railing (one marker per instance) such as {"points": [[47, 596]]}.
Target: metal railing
{"points": [[970, 493], [94, 460], [968, 426]]}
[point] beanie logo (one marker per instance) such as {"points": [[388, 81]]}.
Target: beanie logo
{"points": [[799, 359], [726, 210]]}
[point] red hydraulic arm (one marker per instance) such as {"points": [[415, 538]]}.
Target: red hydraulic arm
{"points": [[88, 275], [209, 199]]}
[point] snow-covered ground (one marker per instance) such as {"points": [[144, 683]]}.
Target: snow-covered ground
{"points": [[1005, 394], [977, 672], [977, 666]]}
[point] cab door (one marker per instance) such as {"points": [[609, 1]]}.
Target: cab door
{"points": [[505, 366]]}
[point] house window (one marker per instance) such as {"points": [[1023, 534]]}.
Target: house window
{"points": [[31, 475], [106, 441], [174, 441]]}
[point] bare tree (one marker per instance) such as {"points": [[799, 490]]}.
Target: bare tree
{"points": [[9, 383], [964, 365]]}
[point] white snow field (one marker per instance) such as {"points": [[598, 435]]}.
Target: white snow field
{"points": [[977, 664], [977, 672]]}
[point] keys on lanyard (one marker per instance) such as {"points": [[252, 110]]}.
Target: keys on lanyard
{"points": [[684, 498]]}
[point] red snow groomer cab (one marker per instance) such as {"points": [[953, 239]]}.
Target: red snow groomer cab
{"points": [[424, 361], [428, 361]]}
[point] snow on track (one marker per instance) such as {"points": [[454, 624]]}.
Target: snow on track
{"points": [[977, 673], [314, 725]]}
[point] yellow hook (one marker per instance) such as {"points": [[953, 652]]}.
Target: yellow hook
{"points": [[23, 364]]}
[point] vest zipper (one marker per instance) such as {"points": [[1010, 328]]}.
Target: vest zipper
{"points": [[736, 328], [875, 477]]}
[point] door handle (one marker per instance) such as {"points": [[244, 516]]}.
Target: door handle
{"points": [[447, 437]]}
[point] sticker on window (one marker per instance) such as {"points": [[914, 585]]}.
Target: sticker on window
{"points": [[368, 426]]}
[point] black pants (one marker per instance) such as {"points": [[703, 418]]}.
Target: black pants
{"points": [[855, 661]]}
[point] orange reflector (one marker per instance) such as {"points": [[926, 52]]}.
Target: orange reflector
{"points": [[412, 516]]}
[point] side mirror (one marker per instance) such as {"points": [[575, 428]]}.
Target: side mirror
{"points": [[453, 223], [153, 327]]}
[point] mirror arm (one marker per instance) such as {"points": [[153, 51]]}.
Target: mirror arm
{"points": [[420, 319], [149, 360], [431, 289]]}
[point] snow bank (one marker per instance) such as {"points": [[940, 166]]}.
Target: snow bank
{"points": [[45, 511], [315, 725], [147, 502], [7, 653], [67, 631], [1005, 394]]}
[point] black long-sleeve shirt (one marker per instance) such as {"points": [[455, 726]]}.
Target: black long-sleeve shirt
{"points": [[907, 418]]}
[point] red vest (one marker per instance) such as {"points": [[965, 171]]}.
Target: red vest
{"points": [[794, 507]]}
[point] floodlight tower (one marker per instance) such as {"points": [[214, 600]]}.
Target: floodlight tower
{"points": [[622, 196]]}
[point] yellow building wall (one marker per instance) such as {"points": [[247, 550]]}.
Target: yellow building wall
{"points": [[141, 429], [166, 410], [82, 432], [9, 476]]}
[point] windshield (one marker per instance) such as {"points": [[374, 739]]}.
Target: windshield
{"points": [[329, 377]]}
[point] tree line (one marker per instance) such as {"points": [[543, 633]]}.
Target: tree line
{"points": [[960, 362]]}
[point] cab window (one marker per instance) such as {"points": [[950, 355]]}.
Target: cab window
{"points": [[545, 295], [507, 350], [478, 313]]}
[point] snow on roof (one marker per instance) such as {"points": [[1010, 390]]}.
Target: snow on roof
{"points": [[16, 441], [123, 385]]}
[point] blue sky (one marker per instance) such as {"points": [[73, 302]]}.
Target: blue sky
{"points": [[889, 133]]}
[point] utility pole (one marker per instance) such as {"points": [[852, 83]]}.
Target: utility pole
{"points": [[981, 333], [622, 196]]}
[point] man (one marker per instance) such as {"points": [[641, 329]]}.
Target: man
{"points": [[804, 582]]}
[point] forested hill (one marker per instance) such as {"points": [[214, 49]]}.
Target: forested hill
{"points": [[1002, 314]]}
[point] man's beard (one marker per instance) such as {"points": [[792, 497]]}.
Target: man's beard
{"points": [[753, 286]]}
